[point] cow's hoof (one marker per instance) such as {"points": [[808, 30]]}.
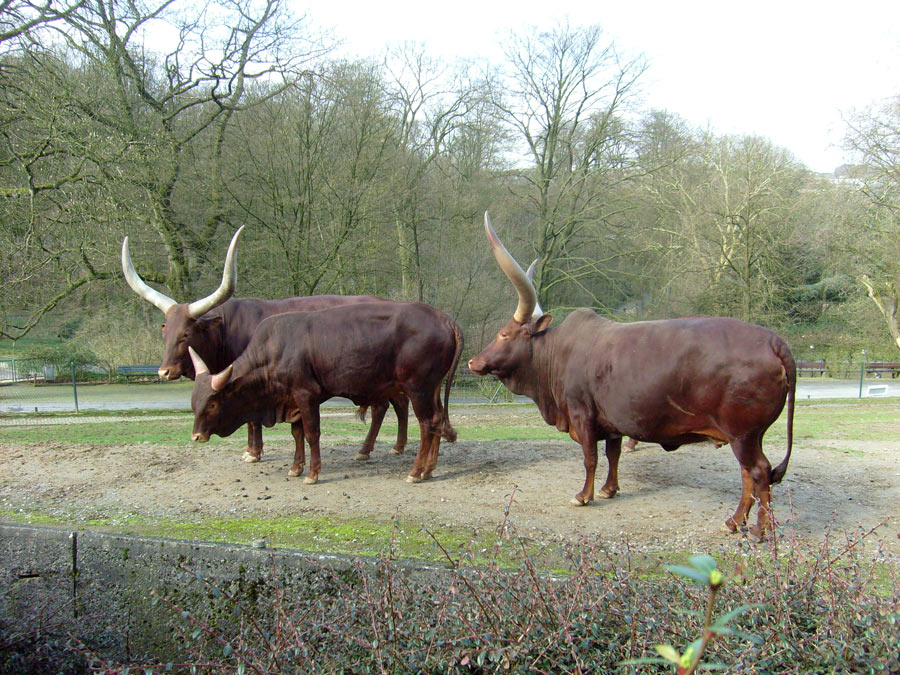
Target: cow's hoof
{"points": [[309, 480], [413, 479], [729, 527], [603, 494], [295, 472], [361, 457], [426, 475], [397, 450], [249, 458], [576, 501]]}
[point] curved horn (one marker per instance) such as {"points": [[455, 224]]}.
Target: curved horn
{"points": [[164, 302], [538, 312], [225, 289], [523, 285], [199, 366]]}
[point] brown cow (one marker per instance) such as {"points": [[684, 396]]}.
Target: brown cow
{"points": [[670, 382], [219, 327], [367, 353]]}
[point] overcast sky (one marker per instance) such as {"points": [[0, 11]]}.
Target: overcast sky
{"points": [[785, 70]]}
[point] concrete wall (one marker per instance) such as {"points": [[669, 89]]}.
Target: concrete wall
{"points": [[99, 587]]}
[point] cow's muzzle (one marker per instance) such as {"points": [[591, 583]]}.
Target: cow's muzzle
{"points": [[478, 366], [200, 436]]}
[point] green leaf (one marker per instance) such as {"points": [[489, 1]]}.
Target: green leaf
{"points": [[725, 630], [668, 652], [689, 572], [703, 562], [227, 649], [643, 660], [737, 611]]}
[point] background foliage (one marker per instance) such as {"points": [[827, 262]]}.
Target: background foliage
{"points": [[372, 177]]}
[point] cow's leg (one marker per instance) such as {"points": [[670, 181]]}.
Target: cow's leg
{"points": [[309, 413], [378, 412], [613, 452], [755, 475], [423, 407], [401, 408], [254, 450], [299, 450], [426, 437], [739, 519], [586, 436], [434, 449], [433, 452]]}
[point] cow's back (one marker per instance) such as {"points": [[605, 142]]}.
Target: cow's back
{"points": [[242, 316], [361, 351]]}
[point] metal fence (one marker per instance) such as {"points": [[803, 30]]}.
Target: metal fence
{"points": [[31, 386]]}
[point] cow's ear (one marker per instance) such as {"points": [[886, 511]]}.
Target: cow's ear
{"points": [[542, 324], [208, 325]]}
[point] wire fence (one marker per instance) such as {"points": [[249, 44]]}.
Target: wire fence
{"points": [[31, 386]]}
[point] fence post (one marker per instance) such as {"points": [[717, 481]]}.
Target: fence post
{"points": [[74, 387], [862, 373]]}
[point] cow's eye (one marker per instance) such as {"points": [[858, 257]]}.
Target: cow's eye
{"points": [[504, 335]]}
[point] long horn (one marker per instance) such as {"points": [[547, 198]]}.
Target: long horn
{"points": [[538, 312], [523, 286], [164, 302], [225, 289], [199, 366]]}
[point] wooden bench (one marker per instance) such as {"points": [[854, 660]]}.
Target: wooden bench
{"points": [[138, 371], [811, 367], [879, 368]]}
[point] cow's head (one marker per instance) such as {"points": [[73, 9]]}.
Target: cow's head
{"points": [[511, 350], [185, 325], [213, 408]]}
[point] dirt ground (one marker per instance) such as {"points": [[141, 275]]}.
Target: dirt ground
{"points": [[668, 501]]}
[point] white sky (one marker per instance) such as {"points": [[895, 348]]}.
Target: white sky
{"points": [[784, 70]]}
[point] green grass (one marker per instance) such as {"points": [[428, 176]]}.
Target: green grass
{"points": [[864, 420], [23, 348]]}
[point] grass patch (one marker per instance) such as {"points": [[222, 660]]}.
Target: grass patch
{"points": [[400, 539]]}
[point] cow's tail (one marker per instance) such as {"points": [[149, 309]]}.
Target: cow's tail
{"points": [[448, 433], [790, 368]]}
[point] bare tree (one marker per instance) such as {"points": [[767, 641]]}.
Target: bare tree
{"points": [[728, 208], [19, 19], [874, 136], [311, 171], [431, 102], [105, 135], [566, 96]]}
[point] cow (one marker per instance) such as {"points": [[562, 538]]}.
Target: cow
{"points": [[367, 353], [219, 327], [671, 382]]}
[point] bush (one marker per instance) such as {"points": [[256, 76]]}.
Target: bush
{"points": [[787, 608]]}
